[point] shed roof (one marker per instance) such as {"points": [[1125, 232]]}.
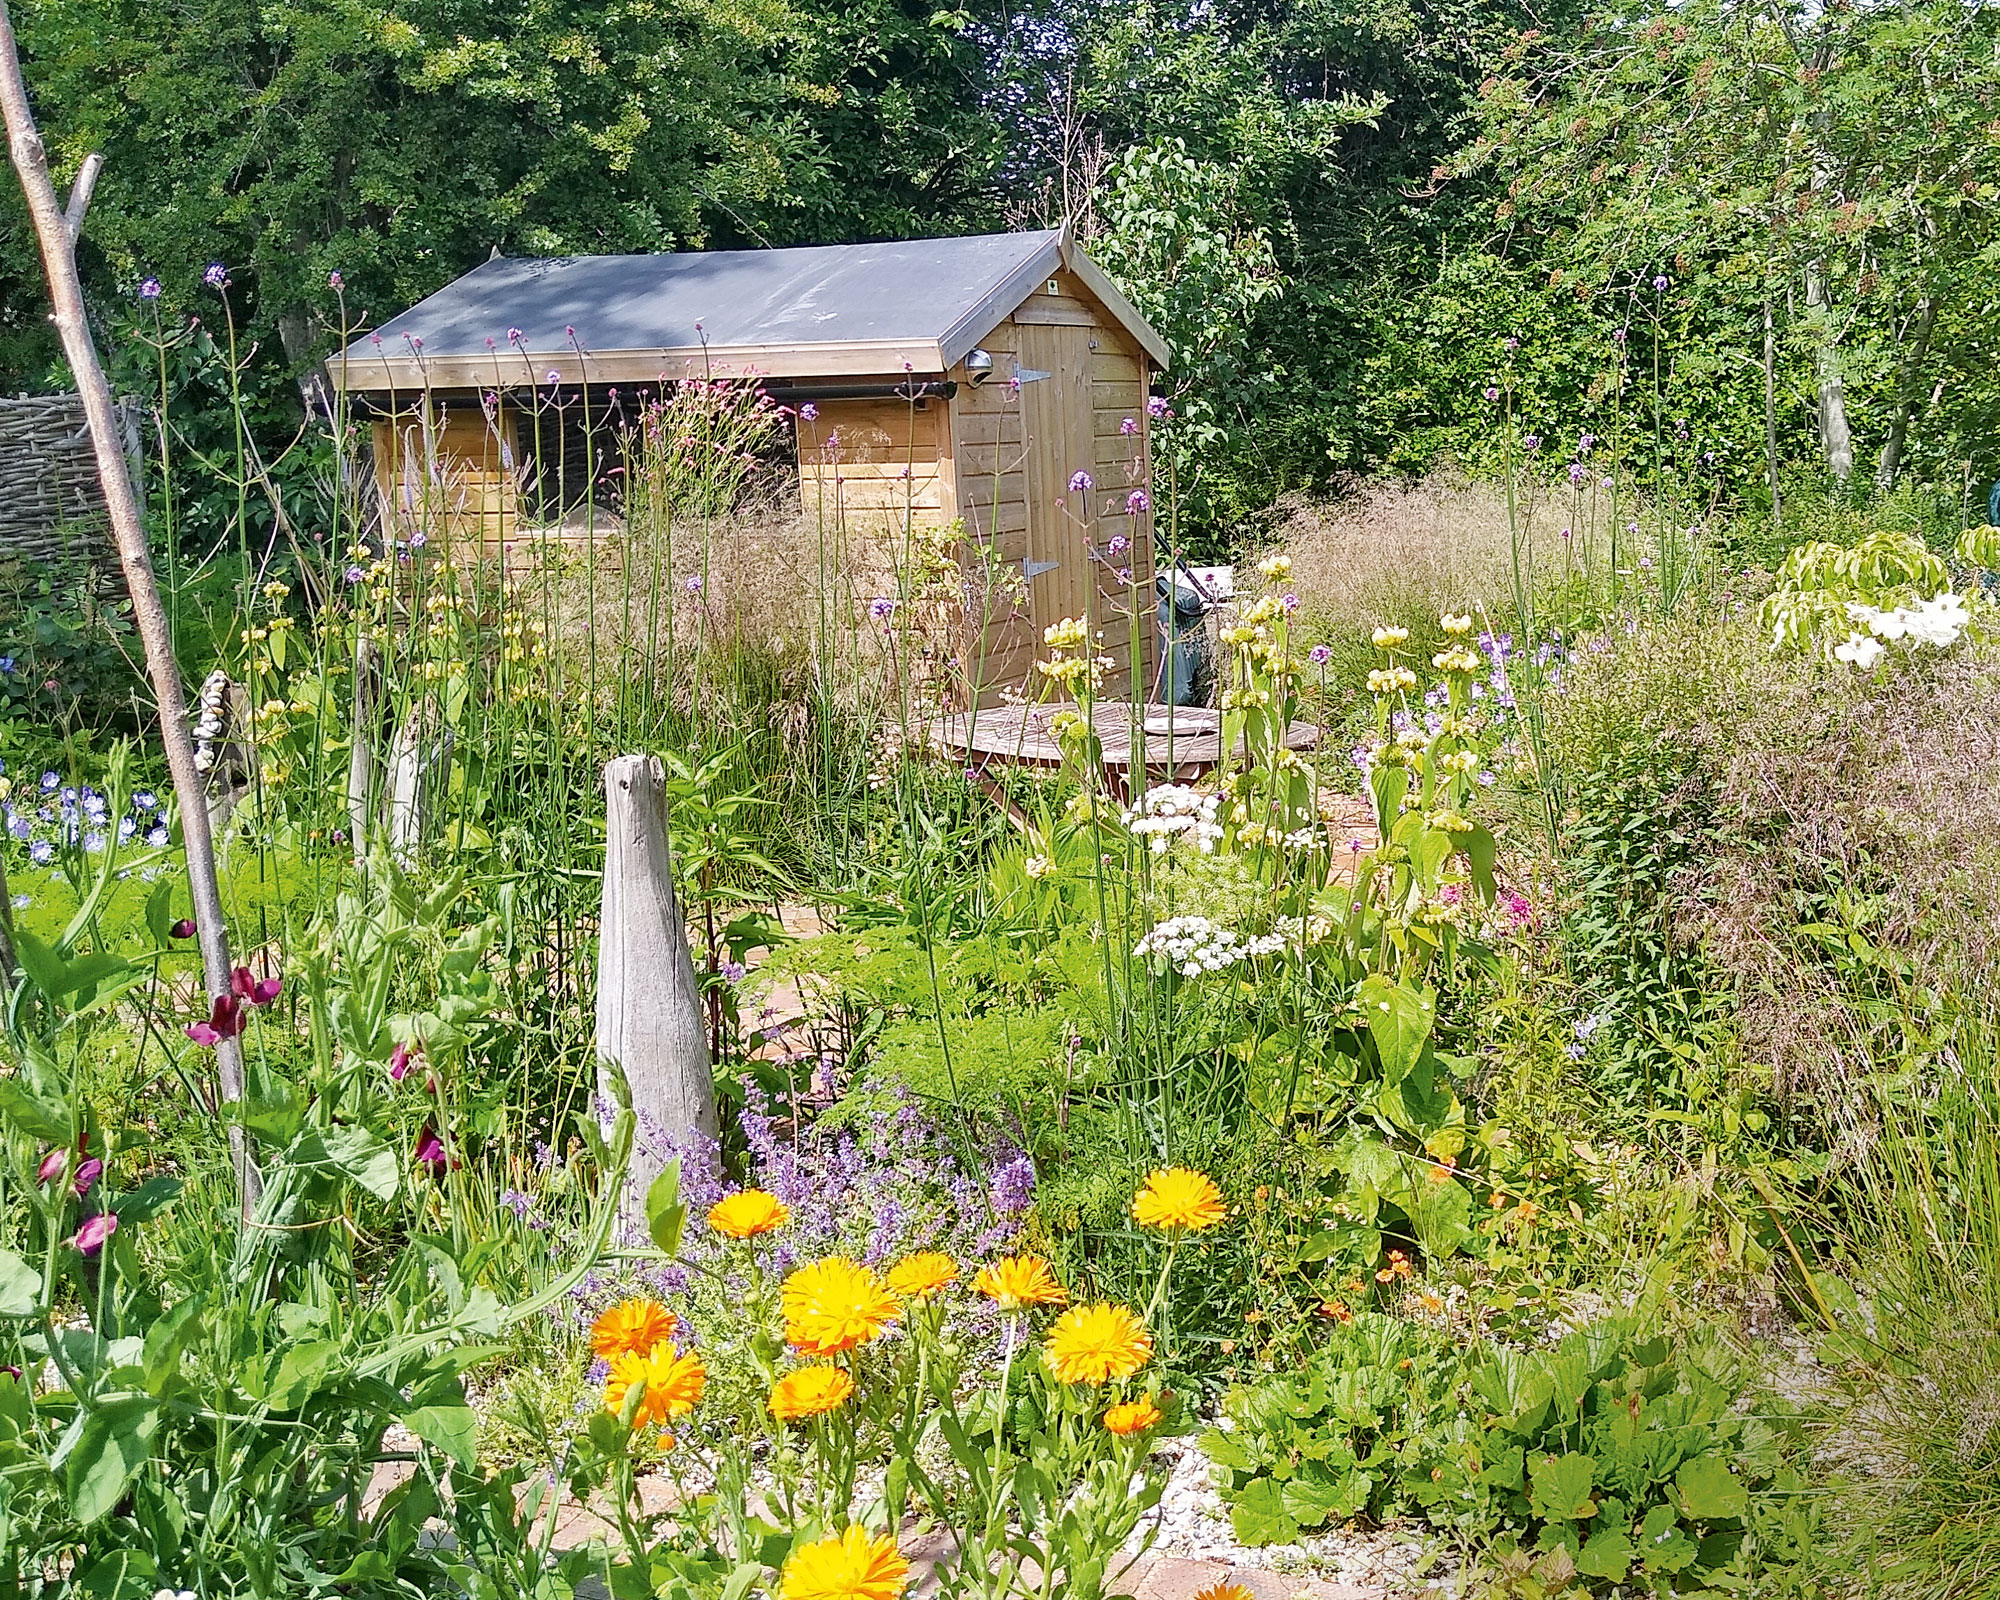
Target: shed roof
{"points": [[858, 309]]}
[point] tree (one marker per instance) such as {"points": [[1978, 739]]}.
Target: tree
{"points": [[1838, 162]]}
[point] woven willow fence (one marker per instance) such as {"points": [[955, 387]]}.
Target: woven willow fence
{"points": [[51, 507]]}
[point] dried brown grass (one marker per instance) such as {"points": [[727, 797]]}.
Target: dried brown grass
{"points": [[1819, 794]]}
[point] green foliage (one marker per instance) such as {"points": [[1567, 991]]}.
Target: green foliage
{"points": [[1607, 1459], [1330, 1443]]}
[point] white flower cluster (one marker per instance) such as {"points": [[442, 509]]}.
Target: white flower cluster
{"points": [[210, 710], [1172, 810], [1937, 621], [1194, 945]]}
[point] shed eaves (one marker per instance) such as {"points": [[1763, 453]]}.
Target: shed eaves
{"points": [[910, 292]]}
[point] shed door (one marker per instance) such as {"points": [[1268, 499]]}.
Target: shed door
{"points": [[1056, 417]]}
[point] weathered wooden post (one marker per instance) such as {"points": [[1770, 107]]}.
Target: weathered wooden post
{"points": [[649, 1017]]}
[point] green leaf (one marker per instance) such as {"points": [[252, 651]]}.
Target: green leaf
{"points": [[1399, 1021], [147, 1201], [1561, 1487], [1606, 1554], [20, 1287], [1710, 1492], [1317, 1496], [355, 1152], [454, 1429], [38, 1118], [115, 1442], [1260, 1517], [1225, 1451], [120, 1575], [665, 1214]]}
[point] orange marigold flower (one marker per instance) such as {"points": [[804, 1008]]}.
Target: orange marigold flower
{"points": [[674, 1384], [1130, 1416], [919, 1276], [1225, 1591], [834, 1305], [809, 1392], [1018, 1282], [1094, 1344], [849, 1566], [1178, 1200], [632, 1328], [747, 1213]]}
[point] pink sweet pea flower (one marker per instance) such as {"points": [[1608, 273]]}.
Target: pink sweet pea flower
{"points": [[399, 1063], [430, 1151], [53, 1166], [225, 1021], [86, 1175], [95, 1230]]}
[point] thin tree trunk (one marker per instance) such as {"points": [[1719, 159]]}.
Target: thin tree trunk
{"points": [[56, 233], [1771, 409], [1908, 371], [649, 1021], [1834, 433]]}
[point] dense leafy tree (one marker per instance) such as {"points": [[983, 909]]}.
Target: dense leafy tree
{"points": [[1837, 166]]}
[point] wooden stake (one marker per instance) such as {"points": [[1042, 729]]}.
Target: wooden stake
{"points": [[648, 1003], [55, 230]]}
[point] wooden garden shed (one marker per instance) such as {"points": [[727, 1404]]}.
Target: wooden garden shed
{"points": [[970, 379]]}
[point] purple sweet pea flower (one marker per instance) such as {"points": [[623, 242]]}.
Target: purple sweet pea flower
{"points": [[95, 1230]]}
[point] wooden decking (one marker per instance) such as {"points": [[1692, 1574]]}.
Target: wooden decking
{"points": [[1175, 743]]}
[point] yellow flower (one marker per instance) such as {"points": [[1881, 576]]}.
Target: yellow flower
{"points": [[834, 1305], [747, 1213], [1094, 1344], [849, 1566], [632, 1328], [1224, 1590], [919, 1276], [1020, 1281], [1178, 1199], [1131, 1416], [809, 1392], [674, 1383]]}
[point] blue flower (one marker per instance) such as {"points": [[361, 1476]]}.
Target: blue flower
{"points": [[22, 902], [146, 800], [216, 276], [50, 783], [157, 837], [6, 666], [41, 852], [149, 289]]}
